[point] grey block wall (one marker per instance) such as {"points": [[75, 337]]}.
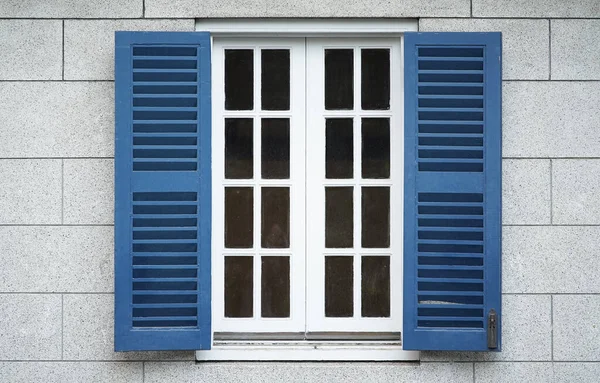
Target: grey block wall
{"points": [[56, 185]]}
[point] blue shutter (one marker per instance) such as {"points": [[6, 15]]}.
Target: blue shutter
{"points": [[452, 190], [162, 191]]}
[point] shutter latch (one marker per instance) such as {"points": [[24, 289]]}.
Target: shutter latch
{"points": [[492, 329]]}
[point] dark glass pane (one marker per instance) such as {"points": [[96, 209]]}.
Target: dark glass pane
{"points": [[275, 287], [375, 148], [376, 217], [339, 79], [275, 217], [239, 208], [275, 79], [339, 286], [239, 161], [239, 79], [339, 219], [338, 148], [275, 146], [375, 79], [375, 284], [239, 279]]}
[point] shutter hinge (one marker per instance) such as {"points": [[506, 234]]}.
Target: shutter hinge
{"points": [[492, 329]]}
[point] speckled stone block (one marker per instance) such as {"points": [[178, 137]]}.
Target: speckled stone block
{"points": [[550, 259], [526, 372], [575, 192], [31, 49], [576, 372], [30, 191], [57, 119], [59, 9], [575, 53], [90, 44], [89, 191], [536, 8], [526, 333], [30, 327], [56, 258], [550, 119], [576, 327], [525, 192], [307, 8], [89, 331], [525, 43], [72, 372], [308, 372]]}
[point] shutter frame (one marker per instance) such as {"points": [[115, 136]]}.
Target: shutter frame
{"points": [[128, 182], [487, 182]]}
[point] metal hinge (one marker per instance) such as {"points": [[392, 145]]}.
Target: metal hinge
{"points": [[492, 329]]}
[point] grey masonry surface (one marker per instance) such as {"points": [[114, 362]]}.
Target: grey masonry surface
{"points": [[56, 191]]}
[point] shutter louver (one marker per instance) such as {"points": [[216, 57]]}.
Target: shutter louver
{"points": [[452, 189], [162, 183]]}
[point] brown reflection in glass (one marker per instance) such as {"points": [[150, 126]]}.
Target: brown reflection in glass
{"points": [[339, 79], [275, 79], [275, 287], [339, 219], [375, 79], [275, 217], [375, 148], [239, 79], [376, 217], [275, 147], [339, 286], [239, 159], [339, 148], [375, 286], [239, 208], [239, 276]]}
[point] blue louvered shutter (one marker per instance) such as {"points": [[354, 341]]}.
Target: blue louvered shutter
{"points": [[452, 191], [162, 191]]}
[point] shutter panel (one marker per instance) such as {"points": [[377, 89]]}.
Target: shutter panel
{"points": [[162, 191], [452, 190]]}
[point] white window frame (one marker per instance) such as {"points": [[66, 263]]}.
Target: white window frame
{"points": [[370, 350]]}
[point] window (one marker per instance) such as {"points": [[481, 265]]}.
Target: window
{"points": [[308, 194]]}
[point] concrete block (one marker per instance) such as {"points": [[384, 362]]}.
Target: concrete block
{"points": [[56, 258], [31, 50], [30, 327], [90, 44], [70, 9], [89, 191], [526, 372], [525, 192], [575, 190], [537, 8], [551, 119], [72, 372], [525, 43], [57, 119], [576, 372], [156, 372], [307, 8], [89, 331], [526, 333], [575, 53], [30, 191], [576, 327], [550, 259]]}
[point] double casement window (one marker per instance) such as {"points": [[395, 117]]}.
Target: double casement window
{"points": [[307, 195]]}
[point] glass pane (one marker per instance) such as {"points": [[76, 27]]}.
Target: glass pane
{"points": [[275, 287], [239, 161], [275, 217], [375, 79], [275, 146], [339, 79], [239, 208], [338, 148], [339, 219], [375, 148], [339, 286], [239, 79], [239, 279], [375, 284], [275, 79], [376, 217]]}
